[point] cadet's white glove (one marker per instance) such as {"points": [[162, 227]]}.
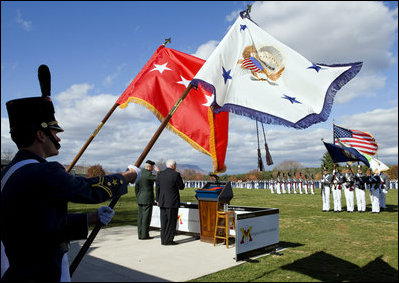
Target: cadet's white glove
{"points": [[105, 214], [138, 172]]}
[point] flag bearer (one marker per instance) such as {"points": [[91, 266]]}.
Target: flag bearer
{"points": [[360, 190], [338, 180], [35, 224]]}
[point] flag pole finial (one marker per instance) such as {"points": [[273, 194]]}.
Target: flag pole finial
{"points": [[249, 8], [167, 40]]}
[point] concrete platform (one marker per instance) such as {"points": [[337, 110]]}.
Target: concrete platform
{"points": [[117, 255]]}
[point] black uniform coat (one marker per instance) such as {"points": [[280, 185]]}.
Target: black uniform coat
{"points": [[169, 182], [34, 218]]}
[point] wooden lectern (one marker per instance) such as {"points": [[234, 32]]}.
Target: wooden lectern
{"points": [[211, 198]]}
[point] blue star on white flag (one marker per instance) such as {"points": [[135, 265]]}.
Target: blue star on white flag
{"points": [[250, 72]]}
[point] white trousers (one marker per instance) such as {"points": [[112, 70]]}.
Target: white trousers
{"points": [[325, 195], [337, 199], [300, 187], [349, 197], [278, 190], [360, 199], [283, 188], [382, 198], [375, 200]]}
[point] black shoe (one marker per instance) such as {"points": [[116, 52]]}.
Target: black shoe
{"points": [[147, 238], [173, 243]]}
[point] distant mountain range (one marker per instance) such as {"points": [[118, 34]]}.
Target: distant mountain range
{"points": [[182, 167]]}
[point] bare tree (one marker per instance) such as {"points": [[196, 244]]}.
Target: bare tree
{"points": [[95, 171]]}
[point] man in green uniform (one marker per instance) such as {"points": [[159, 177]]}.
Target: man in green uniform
{"points": [[145, 199]]}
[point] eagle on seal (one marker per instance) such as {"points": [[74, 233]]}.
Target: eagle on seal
{"points": [[268, 61]]}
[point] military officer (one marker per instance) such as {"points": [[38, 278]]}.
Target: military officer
{"points": [[35, 225], [360, 190], [325, 189], [145, 199]]}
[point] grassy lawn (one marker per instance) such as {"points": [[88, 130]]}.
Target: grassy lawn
{"points": [[318, 246]]}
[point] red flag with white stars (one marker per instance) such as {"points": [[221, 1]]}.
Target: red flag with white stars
{"points": [[159, 85]]}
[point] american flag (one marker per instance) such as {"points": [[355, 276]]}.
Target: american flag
{"points": [[252, 64], [363, 142]]}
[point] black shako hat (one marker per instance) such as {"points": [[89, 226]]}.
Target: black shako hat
{"points": [[150, 162], [34, 112]]}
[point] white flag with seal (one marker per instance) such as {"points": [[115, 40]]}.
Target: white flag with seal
{"points": [[251, 73]]}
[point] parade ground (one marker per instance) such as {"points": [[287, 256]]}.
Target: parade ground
{"points": [[313, 246], [117, 255]]}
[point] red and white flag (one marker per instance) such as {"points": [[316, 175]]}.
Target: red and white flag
{"points": [[362, 141], [159, 85]]}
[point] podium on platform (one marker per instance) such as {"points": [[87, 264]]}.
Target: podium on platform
{"points": [[211, 198]]}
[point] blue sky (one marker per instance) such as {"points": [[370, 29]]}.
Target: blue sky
{"points": [[94, 49]]}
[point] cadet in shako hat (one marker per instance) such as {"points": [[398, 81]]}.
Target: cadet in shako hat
{"points": [[360, 189], [35, 226], [145, 199]]}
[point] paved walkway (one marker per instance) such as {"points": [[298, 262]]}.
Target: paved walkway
{"points": [[116, 255]]}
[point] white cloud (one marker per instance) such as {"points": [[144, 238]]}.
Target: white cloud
{"points": [[108, 80], [26, 25], [329, 32], [332, 32], [206, 49]]}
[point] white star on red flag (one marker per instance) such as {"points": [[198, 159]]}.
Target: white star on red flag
{"points": [[160, 68]]}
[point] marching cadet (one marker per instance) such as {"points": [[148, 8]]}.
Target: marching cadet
{"points": [[35, 225], [384, 187], [360, 189], [300, 183], [288, 183], [272, 185], [338, 180], [374, 181], [294, 183], [278, 189], [325, 189], [311, 184], [348, 189], [305, 184], [283, 184]]}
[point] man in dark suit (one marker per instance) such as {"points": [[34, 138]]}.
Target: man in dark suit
{"points": [[169, 182], [145, 199]]}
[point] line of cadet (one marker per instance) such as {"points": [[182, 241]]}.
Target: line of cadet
{"points": [[354, 184], [288, 185]]}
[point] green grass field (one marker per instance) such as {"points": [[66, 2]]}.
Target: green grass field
{"points": [[318, 246]]}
